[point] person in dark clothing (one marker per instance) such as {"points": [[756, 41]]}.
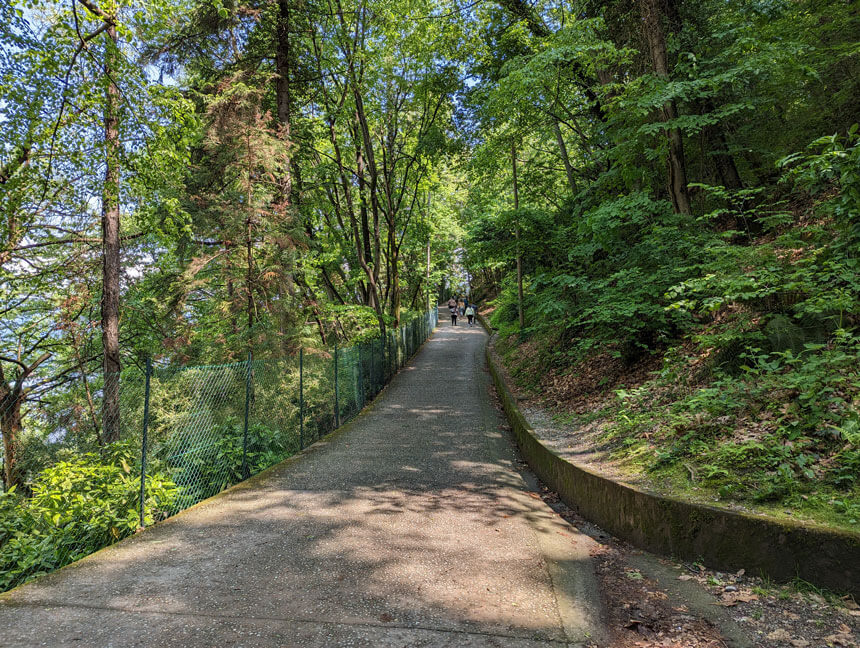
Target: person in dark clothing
{"points": [[453, 316]]}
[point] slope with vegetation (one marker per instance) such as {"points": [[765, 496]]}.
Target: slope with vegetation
{"points": [[678, 185]]}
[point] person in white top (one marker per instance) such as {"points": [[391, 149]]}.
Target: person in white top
{"points": [[470, 313]]}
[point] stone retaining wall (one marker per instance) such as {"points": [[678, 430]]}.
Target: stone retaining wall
{"points": [[722, 539]]}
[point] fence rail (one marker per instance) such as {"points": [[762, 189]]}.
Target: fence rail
{"points": [[178, 436]]}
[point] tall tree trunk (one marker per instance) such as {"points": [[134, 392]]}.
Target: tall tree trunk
{"points": [[290, 189], [249, 245], [394, 276], [283, 91], [10, 428], [11, 400], [651, 21], [565, 158], [429, 303], [373, 170], [725, 165], [110, 247], [365, 223], [249, 280], [522, 316]]}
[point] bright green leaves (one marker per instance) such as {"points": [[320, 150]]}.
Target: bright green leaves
{"points": [[830, 161], [77, 506]]}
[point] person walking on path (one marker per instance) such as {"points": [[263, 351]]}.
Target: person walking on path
{"points": [[454, 313], [452, 303], [470, 313]]}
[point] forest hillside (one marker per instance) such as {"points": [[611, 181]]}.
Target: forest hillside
{"points": [[665, 205], [216, 210]]}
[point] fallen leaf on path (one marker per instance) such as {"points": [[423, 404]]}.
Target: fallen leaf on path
{"points": [[842, 639], [730, 599]]}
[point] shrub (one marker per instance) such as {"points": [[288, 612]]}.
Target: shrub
{"points": [[77, 507]]}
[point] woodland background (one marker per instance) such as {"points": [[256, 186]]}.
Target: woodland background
{"points": [[658, 200]]}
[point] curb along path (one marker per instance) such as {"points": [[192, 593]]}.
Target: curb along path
{"points": [[409, 527], [687, 530]]}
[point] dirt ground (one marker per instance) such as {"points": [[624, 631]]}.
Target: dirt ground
{"points": [[644, 613], [673, 611]]}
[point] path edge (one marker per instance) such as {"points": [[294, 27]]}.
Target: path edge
{"points": [[254, 481], [722, 539]]}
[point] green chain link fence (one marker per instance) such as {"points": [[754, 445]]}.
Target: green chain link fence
{"points": [[177, 435]]}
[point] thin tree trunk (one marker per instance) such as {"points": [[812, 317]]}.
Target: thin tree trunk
{"points": [[283, 92], [87, 391], [290, 191], [522, 316], [249, 256], [394, 277], [373, 170], [361, 252], [429, 303], [568, 169], [110, 248]]}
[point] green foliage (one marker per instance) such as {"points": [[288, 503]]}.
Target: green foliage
{"points": [[752, 299], [208, 468], [77, 506], [830, 162], [782, 430]]}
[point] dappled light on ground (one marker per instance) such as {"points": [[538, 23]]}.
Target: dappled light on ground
{"points": [[412, 523]]}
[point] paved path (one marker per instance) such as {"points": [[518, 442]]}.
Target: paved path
{"points": [[410, 527]]}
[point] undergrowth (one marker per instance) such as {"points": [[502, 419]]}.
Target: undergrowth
{"points": [[740, 381]]}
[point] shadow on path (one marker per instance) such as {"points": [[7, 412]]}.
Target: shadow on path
{"points": [[410, 528]]}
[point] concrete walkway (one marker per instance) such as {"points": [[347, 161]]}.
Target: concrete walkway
{"points": [[409, 527]]}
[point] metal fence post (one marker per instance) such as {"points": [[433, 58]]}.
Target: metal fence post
{"points": [[143, 442], [302, 398], [245, 470], [372, 377], [336, 401], [361, 375]]}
